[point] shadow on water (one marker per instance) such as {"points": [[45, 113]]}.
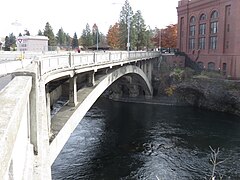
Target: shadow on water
{"points": [[136, 141]]}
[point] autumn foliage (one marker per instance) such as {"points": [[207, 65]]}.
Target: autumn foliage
{"points": [[113, 37], [167, 37]]}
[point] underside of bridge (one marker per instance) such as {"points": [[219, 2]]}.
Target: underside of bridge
{"points": [[80, 93]]}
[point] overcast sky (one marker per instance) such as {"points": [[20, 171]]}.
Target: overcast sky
{"points": [[73, 15]]}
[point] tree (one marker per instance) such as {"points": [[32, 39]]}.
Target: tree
{"points": [[139, 34], [48, 31], [113, 36], [169, 36], [68, 40], [86, 38], [75, 41], [40, 33], [149, 39], [157, 37], [10, 42], [61, 37], [125, 22], [27, 33], [7, 44]]}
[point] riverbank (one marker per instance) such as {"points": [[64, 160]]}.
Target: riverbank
{"points": [[206, 93]]}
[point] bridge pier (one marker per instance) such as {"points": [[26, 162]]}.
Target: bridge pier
{"points": [[48, 108], [73, 91], [91, 79]]}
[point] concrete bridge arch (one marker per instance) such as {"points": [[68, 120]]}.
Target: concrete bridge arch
{"points": [[91, 94]]}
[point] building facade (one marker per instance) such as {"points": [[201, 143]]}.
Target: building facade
{"points": [[209, 32], [32, 43]]}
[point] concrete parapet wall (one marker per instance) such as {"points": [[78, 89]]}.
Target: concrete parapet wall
{"points": [[14, 129]]}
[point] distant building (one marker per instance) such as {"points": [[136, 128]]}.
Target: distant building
{"points": [[32, 43], [1, 43], [208, 31]]}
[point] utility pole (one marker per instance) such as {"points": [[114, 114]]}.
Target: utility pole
{"points": [[128, 36]]}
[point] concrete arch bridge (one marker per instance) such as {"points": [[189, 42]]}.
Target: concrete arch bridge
{"points": [[30, 136]]}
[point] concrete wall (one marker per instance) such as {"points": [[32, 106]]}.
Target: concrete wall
{"points": [[16, 157]]}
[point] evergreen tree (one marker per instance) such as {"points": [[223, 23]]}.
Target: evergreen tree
{"points": [[10, 42], [126, 16], [48, 31], [138, 33], [86, 38], [27, 33], [7, 44], [68, 40], [75, 41], [61, 37], [40, 33]]}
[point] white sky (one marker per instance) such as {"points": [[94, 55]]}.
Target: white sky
{"points": [[73, 15]]}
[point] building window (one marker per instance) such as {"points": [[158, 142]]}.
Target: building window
{"points": [[203, 17], [227, 45], [202, 29], [213, 30], [214, 22], [228, 9], [211, 66], [224, 68], [192, 31], [214, 15], [228, 27], [214, 27], [201, 43], [192, 43], [192, 20], [192, 26], [200, 64], [213, 42]]}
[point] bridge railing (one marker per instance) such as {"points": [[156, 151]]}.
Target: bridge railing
{"points": [[53, 62], [16, 157]]}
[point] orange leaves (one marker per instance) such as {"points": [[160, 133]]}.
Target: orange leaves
{"points": [[169, 36], [113, 37]]}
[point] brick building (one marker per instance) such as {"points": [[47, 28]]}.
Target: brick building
{"points": [[209, 32]]}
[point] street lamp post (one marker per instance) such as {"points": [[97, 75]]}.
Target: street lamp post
{"points": [[128, 36], [97, 39], [95, 27]]}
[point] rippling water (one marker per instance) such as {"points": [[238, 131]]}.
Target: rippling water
{"points": [[140, 141]]}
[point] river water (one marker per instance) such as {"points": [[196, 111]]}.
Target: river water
{"points": [[126, 141]]}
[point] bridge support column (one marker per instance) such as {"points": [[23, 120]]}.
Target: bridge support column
{"points": [[150, 68], [73, 91], [91, 79], [48, 108]]}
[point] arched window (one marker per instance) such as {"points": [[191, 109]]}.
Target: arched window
{"points": [[192, 20], [211, 66], [213, 30], [203, 17], [214, 22], [192, 29], [214, 15], [202, 31], [200, 65]]}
